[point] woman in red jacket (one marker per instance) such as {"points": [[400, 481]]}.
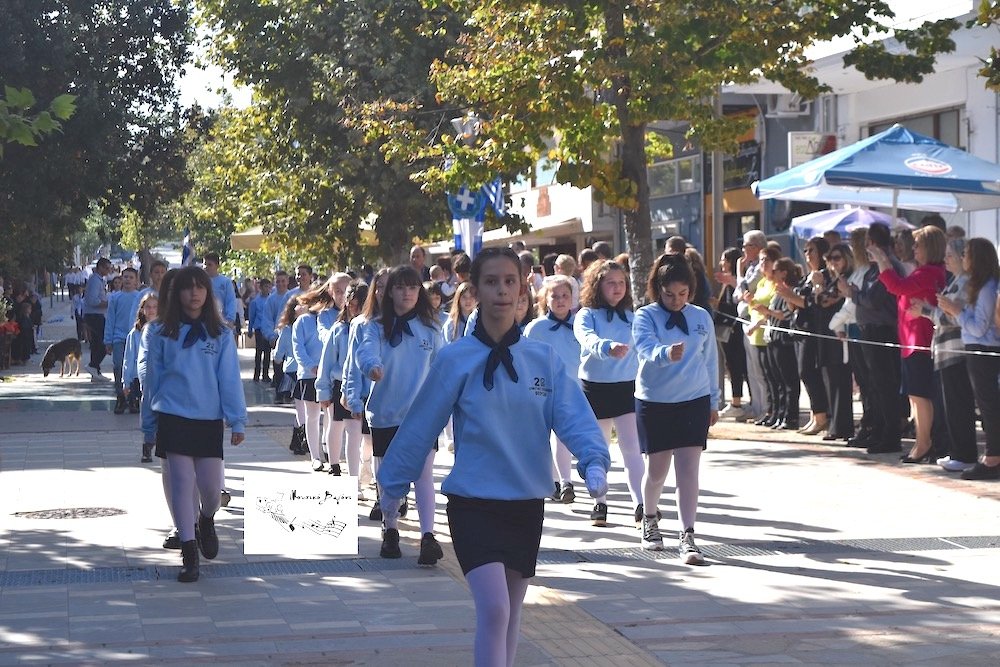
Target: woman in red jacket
{"points": [[924, 283]]}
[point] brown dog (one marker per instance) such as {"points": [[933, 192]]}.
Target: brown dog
{"points": [[65, 352]]}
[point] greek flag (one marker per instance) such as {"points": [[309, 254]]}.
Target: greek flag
{"points": [[187, 254], [494, 195]]}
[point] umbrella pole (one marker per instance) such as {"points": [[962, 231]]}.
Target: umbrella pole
{"points": [[895, 207]]}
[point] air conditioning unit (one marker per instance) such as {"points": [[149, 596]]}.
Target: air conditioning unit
{"points": [[784, 106]]}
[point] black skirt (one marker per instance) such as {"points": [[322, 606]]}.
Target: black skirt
{"points": [[496, 531], [199, 438], [610, 399], [305, 390], [340, 413], [382, 438], [918, 374], [666, 426]]}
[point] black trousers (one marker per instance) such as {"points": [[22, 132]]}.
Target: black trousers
{"points": [[95, 328], [959, 415], [783, 359], [983, 375], [861, 373], [884, 373], [806, 351], [736, 362], [262, 353], [837, 378]]}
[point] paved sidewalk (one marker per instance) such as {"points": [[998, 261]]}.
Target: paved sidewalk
{"points": [[817, 555]]}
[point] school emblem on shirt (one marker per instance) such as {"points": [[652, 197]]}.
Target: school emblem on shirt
{"points": [[701, 330], [540, 387], [210, 347], [425, 345]]}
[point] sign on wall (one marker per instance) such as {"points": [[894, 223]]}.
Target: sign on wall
{"points": [[805, 146]]}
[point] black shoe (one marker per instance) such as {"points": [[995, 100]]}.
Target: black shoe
{"points": [[190, 569], [376, 513], [256, 378], [133, 408], [120, 405], [555, 494], [172, 540], [404, 507], [147, 452], [295, 442], [335, 470], [430, 550], [224, 498], [763, 421], [390, 544], [789, 426], [885, 448], [771, 422], [208, 539], [599, 515], [860, 441], [566, 493], [266, 379], [982, 472]]}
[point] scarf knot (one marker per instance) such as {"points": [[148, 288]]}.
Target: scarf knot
{"points": [[675, 318], [616, 311], [196, 333], [557, 323], [400, 326], [499, 353]]}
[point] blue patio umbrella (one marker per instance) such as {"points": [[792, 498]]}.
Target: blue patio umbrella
{"points": [[842, 221], [894, 169]]}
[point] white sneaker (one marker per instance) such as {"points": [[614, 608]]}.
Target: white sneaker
{"points": [[954, 466], [732, 412], [652, 540], [688, 551]]}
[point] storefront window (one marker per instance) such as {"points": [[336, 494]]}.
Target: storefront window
{"points": [[675, 176]]}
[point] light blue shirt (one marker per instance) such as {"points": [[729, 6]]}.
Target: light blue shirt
{"points": [[595, 335], [405, 367], [283, 351], [275, 306], [259, 317], [695, 375], [325, 320], [120, 316], [306, 346], [95, 295], [331, 361], [977, 319], [356, 385], [501, 436], [450, 336], [130, 368], [225, 297], [562, 340], [198, 382]]}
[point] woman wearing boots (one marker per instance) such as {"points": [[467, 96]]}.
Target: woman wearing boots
{"points": [[191, 384]]}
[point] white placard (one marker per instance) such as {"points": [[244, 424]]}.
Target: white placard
{"points": [[299, 515], [805, 146]]}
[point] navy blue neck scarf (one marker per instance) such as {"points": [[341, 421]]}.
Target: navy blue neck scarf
{"points": [[560, 323], [499, 353], [616, 311], [196, 333], [675, 318], [400, 326]]}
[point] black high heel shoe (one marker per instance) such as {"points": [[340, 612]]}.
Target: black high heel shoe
{"points": [[762, 421], [926, 458]]}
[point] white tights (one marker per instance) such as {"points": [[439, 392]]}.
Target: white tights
{"points": [[313, 411], [423, 489], [562, 459], [628, 442], [191, 477], [300, 411], [685, 473], [498, 594], [352, 427]]}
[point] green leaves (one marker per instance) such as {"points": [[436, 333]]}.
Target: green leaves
{"points": [[17, 125]]}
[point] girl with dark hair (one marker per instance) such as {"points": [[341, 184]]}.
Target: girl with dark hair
{"points": [[329, 383], [980, 333], [608, 366], [730, 334], [289, 373], [395, 352], [507, 393], [191, 383], [677, 391]]}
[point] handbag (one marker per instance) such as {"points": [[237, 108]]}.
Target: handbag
{"points": [[723, 332]]}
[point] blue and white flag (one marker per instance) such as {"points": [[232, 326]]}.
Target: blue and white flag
{"points": [[494, 195], [187, 254]]}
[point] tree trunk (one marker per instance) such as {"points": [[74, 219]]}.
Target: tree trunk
{"points": [[638, 222], [145, 260]]}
